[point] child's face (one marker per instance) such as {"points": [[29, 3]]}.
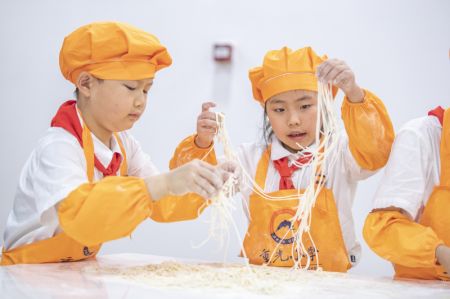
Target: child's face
{"points": [[117, 105], [292, 115]]}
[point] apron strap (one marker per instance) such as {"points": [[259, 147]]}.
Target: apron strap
{"points": [[124, 166], [445, 150], [261, 169], [88, 148]]}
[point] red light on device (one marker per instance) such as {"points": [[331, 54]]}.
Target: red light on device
{"points": [[222, 52]]}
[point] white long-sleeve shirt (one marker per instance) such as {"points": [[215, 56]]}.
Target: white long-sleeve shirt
{"points": [[413, 168], [56, 167]]}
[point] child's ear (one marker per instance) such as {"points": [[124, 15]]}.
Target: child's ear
{"points": [[84, 84]]}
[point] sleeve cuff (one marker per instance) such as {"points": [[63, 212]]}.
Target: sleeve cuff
{"points": [[367, 96], [193, 144]]}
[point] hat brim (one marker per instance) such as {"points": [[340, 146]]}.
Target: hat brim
{"points": [[118, 70], [290, 81]]}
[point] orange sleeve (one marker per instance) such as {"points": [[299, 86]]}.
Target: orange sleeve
{"points": [[178, 208], [113, 207], [395, 237], [370, 131], [106, 210], [437, 213], [187, 151], [191, 205]]}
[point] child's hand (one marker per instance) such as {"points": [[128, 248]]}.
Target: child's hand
{"points": [[338, 73], [196, 176], [229, 169], [443, 256], [206, 126]]}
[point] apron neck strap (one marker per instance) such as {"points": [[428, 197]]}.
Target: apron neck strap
{"points": [[89, 154], [445, 150]]}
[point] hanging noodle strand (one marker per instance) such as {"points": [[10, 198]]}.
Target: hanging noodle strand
{"points": [[222, 205]]}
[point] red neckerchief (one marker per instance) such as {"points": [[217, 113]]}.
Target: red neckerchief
{"points": [[439, 113], [67, 118], [286, 171]]}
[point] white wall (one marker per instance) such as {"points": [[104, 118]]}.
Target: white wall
{"points": [[398, 49]]}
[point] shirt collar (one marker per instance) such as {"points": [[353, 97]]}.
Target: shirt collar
{"points": [[278, 151]]}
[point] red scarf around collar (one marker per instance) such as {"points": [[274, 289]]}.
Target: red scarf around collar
{"points": [[286, 171], [439, 113], [67, 118]]}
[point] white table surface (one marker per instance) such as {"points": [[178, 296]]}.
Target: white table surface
{"points": [[68, 280]]}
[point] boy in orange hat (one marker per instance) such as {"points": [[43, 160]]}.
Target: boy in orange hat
{"points": [[286, 87], [410, 223], [88, 181]]}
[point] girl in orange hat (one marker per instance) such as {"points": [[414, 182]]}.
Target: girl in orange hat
{"points": [[286, 87], [410, 223], [88, 181]]}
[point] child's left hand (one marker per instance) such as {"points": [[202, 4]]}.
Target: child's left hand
{"points": [[233, 169], [338, 73]]}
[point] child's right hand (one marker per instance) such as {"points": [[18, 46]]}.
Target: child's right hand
{"points": [[196, 176], [443, 256], [206, 126]]}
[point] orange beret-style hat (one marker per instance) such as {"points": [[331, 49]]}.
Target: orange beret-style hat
{"points": [[112, 51], [285, 70]]}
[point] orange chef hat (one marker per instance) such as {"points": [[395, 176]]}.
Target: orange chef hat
{"points": [[112, 51], [285, 70]]}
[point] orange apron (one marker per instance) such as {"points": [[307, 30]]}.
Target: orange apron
{"points": [[61, 248], [270, 235], [436, 214]]}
